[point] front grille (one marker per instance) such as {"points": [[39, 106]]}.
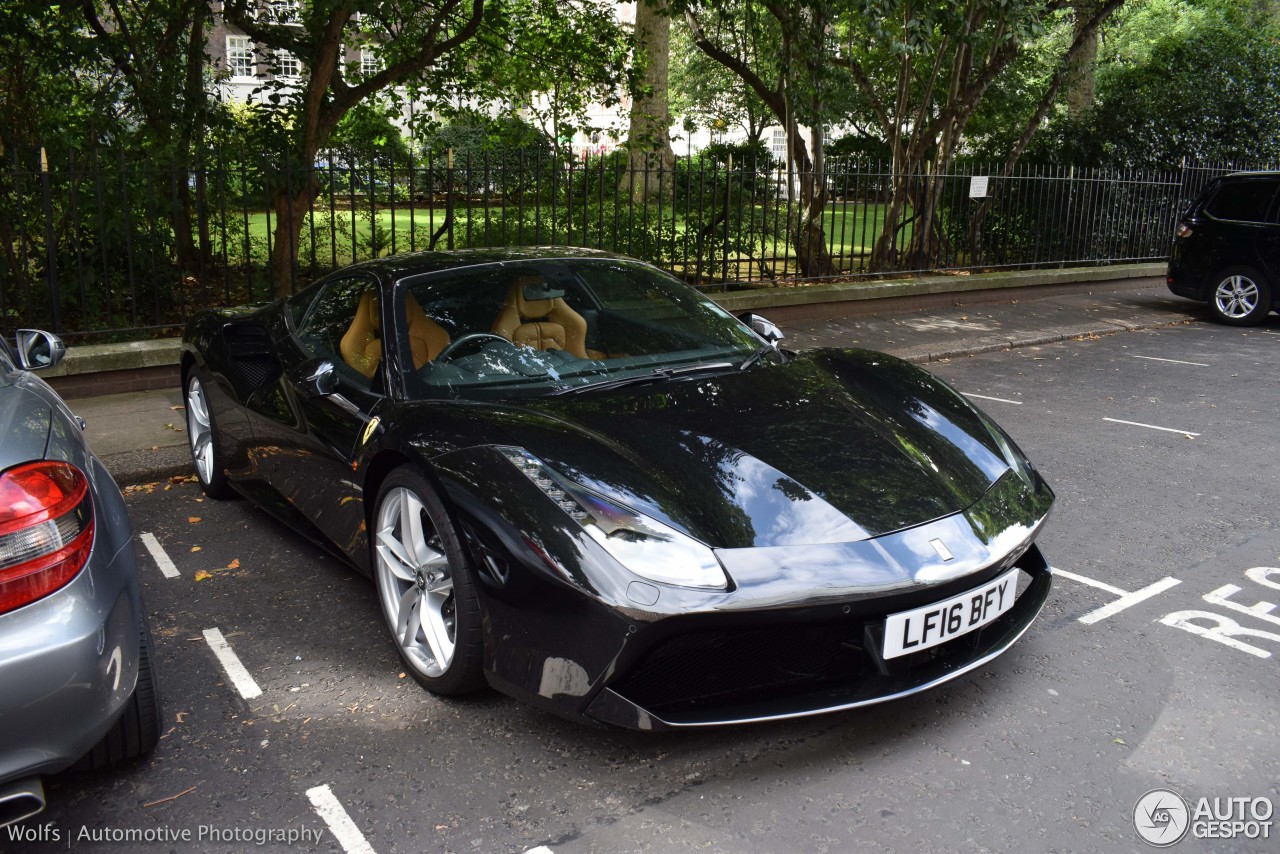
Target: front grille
{"points": [[712, 669], [807, 665]]}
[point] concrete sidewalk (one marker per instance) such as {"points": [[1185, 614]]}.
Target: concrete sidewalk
{"points": [[141, 436]]}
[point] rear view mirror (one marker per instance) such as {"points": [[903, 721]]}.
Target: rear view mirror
{"points": [[38, 349], [763, 327]]}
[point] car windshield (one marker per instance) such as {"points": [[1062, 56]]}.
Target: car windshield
{"points": [[539, 327]]}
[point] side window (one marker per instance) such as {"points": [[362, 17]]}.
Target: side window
{"points": [[344, 324], [1242, 201]]}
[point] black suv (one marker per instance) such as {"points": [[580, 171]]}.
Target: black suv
{"points": [[1226, 251]]}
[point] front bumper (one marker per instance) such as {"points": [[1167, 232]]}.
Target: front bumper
{"points": [[797, 665], [68, 664]]}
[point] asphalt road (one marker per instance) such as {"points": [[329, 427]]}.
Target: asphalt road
{"points": [[1046, 749]]}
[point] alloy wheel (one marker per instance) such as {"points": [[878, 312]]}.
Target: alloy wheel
{"points": [[200, 430], [1236, 297], [415, 582]]}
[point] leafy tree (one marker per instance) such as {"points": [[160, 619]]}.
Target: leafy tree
{"points": [[706, 92], [924, 70], [793, 81], [157, 47], [1195, 87], [442, 53]]}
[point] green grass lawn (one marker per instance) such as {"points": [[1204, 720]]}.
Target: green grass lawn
{"points": [[346, 236]]}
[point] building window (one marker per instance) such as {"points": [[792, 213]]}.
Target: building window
{"points": [[369, 64], [240, 59], [282, 11], [778, 144], [287, 65]]}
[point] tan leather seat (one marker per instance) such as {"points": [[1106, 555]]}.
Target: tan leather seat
{"points": [[361, 346], [542, 324], [426, 337]]}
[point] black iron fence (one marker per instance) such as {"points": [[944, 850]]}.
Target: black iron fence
{"points": [[105, 247]]}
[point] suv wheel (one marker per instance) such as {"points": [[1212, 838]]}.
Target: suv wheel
{"points": [[1241, 297]]}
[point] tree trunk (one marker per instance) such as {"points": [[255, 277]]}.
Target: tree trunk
{"points": [[1082, 85], [649, 138], [291, 212]]}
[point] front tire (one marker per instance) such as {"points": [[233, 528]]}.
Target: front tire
{"points": [[202, 435], [425, 586], [1241, 297]]}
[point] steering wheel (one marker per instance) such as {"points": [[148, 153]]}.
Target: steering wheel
{"points": [[451, 349]]}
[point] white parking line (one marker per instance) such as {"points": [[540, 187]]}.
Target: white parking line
{"points": [[997, 399], [1174, 361], [1125, 600], [159, 556], [340, 823], [1150, 426], [231, 664], [1129, 600], [1080, 579]]}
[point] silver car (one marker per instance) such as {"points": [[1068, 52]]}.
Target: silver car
{"points": [[76, 680]]}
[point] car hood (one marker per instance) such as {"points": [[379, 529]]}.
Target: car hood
{"points": [[830, 447], [25, 420]]}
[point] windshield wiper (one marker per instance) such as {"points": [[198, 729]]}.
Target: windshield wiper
{"points": [[764, 350], [653, 376]]}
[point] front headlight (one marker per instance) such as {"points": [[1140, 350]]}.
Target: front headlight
{"points": [[647, 547]]}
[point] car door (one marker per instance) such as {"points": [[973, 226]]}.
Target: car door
{"points": [[307, 441]]}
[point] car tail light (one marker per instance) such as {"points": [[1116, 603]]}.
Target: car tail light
{"points": [[46, 530], [1184, 230]]}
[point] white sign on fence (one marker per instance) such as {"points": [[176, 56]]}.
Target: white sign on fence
{"points": [[978, 187]]}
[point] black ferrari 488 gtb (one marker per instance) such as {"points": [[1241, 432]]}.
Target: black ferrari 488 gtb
{"points": [[576, 479]]}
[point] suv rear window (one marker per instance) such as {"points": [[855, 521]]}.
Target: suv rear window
{"points": [[1242, 201]]}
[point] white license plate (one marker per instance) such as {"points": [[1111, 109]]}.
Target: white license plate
{"points": [[921, 628]]}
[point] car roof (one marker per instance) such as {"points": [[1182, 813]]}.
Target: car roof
{"points": [[1245, 176], [411, 263]]}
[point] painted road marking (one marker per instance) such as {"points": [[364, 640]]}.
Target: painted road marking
{"points": [[997, 399], [541, 849], [159, 556], [1225, 630], [1080, 579], [1172, 361], [1126, 600], [340, 824], [231, 664], [1150, 426], [1261, 610], [1129, 600]]}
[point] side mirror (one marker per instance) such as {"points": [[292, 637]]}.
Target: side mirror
{"points": [[763, 327], [38, 349], [320, 381]]}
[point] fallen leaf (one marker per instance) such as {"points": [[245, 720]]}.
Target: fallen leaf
{"points": [[1119, 741], [195, 548], [401, 676], [175, 408], [202, 575], [235, 564], [193, 519]]}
